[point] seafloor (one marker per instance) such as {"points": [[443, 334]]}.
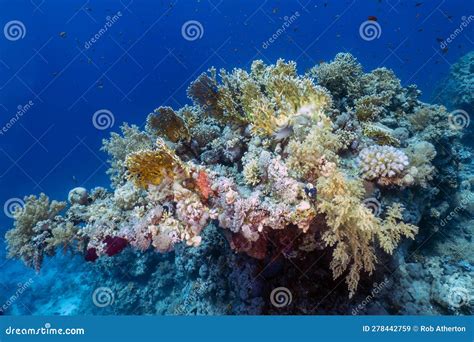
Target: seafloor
{"points": [[274, 193]]}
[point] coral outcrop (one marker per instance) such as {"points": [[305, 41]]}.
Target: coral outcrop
{"points": [[282, 163]]}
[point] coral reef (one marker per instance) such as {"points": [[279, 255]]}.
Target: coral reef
{"points": [[281, 164]]}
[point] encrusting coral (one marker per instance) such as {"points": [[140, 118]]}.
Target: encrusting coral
{"points": [[279, 161]]}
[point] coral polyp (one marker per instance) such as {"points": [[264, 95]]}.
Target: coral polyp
{"points": [[279, 162]]}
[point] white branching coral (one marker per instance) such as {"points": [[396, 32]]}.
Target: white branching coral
{"points": [[382, 162]]}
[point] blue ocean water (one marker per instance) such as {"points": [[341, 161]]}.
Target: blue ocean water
{"points": [[143, 61]]}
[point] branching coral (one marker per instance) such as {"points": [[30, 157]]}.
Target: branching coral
{"points": [[119, 146], [421, 155], [340, 77], [165, 122]]}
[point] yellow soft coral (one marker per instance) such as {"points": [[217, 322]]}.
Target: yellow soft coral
{"points": [[150, 167], [269, 96], [393, 229], [353, 227]]}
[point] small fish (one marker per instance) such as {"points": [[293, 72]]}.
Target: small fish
{"points": [[420, 30], [372, 18], [439, 40], [445, 50], [310, 190], [63, 34], [418, 4]]}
